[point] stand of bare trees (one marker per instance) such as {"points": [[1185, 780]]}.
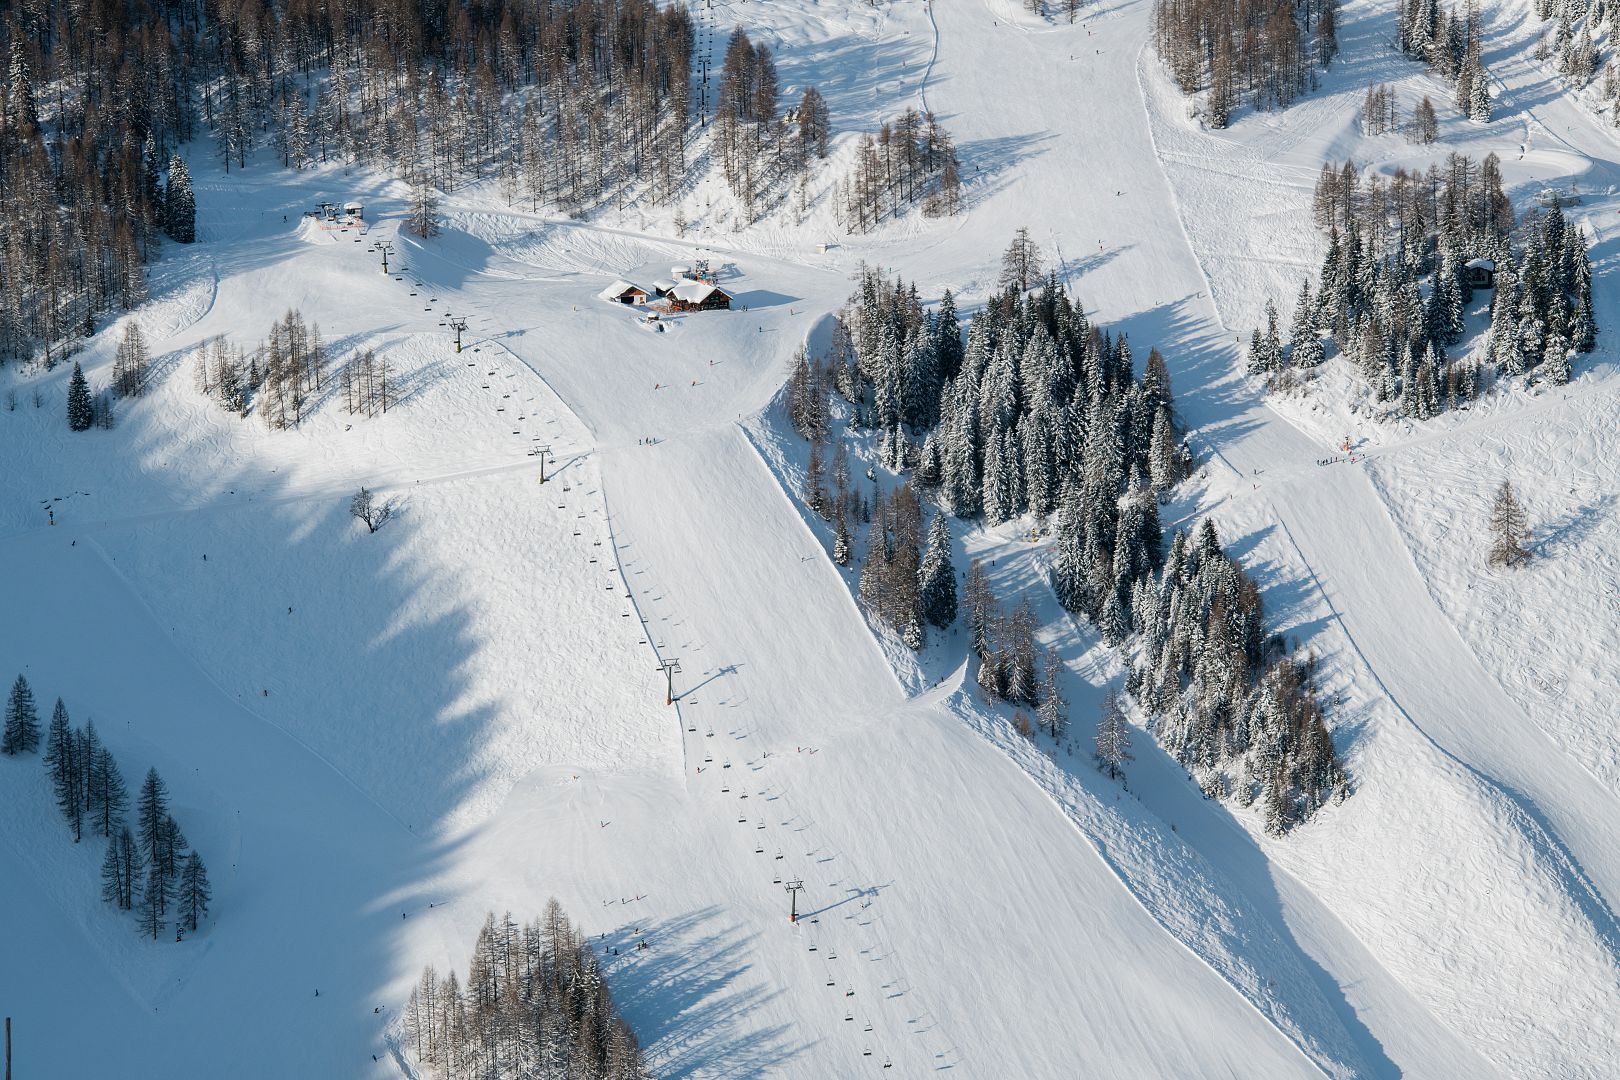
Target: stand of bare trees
{"points": [[279, 378], [1257, 51], [365, 384], [910, 162], [290, 366], [534, 1005], [758, 148], [130, 363]]}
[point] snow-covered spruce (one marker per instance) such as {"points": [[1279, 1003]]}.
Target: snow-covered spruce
{"points": [[1387, 240], [1580, 33], [1450, 45], [1041, 413], [535, 1003], [1231, 705], [21, 732]]}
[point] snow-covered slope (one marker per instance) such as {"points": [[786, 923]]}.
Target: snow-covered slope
{"points": [[375, 738]]}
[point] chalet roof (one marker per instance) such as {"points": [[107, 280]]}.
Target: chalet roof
{"points": [[1480, 264], [619, 288], [695, 292], [665, 284]]}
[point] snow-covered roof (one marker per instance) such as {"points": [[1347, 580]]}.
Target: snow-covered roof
{"points": [[619, 288], [665, 284], [1480, 264], [352, 206], [695, 292]]}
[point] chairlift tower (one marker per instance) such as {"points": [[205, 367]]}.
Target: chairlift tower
{"points": [[458, 324], [793, 888], [385, 248], [543, 450], [670, 668]]}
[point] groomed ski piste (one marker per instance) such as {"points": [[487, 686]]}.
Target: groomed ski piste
{"points": [[376, 738]]}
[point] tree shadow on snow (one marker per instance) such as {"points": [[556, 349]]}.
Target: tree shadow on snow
{"points": [[989, 165], [1160, 809], [1573, 527], [686, 994]]}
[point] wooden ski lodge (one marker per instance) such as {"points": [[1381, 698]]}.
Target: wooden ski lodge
{"points": [[698, 296]]}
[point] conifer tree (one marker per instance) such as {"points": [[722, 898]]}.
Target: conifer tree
{"points": [[21, 732], [194, 893], [1255, 357], [60, 746], [112, 875], [1555, 365], [1508, 528], [88, 750], [152, 907], [129, 865], [423, 219], [1049, 710], [119, 870], [981, 611], [179, 204], [1021, 262], [1113, 737], [1018, 664], [80, 409], [937, 577], [840, 552], [947, 339], [1479, 96], [151, 816], [1306, 347], [111, 797], [172, 844], [912, 633], [1271, 352], [22, 109], [70, 788], [129, 364]]}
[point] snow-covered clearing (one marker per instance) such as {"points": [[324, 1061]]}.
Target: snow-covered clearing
{"points": [[464, 711]]}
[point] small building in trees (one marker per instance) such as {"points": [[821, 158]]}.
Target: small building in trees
{"points": [[1549, 198], [623, 292], [699, 296], [1479, 273]]}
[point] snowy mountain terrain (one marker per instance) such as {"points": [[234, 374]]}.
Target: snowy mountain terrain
{"points": [[376, 738]]}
